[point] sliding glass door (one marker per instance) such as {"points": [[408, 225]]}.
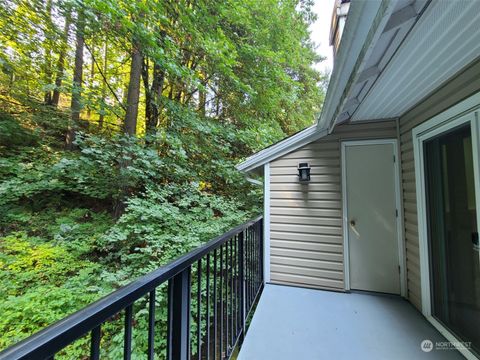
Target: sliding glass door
{"points": [[452, 235]]}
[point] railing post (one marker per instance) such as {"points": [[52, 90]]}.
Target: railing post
{"points": [[179, 316], [241, 275], [262, 250]]}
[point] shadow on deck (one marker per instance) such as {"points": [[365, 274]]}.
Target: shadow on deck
{"points": [[296, 323]]}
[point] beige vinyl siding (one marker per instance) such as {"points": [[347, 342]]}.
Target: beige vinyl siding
{"points": [[460, 87], [306, 235]]}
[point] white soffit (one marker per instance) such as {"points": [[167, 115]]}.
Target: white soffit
{"points": [[360, 19], [445, 39], [391, 26]]}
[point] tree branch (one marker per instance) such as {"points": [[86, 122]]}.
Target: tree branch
{"points": [[191, 93], [104, 78]]}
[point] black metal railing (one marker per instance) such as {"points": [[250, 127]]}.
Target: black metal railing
{"points": [[211, 291]]}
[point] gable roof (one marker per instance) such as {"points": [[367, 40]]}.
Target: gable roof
{"points": [[281, 148], [375, 31]]}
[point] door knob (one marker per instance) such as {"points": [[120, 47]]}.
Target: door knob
{"points": [[352, 223]]}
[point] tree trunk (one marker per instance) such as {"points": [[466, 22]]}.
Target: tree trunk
{"points": [[133, 94], [130, 125], [61, 61], [104, 85], [154, 99], [157, 88], [146, 86], [47, 98], [202, 100], [92, 77], [76, 105]]}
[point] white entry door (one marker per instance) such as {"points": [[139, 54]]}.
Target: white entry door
{"points": [[370, 217]]}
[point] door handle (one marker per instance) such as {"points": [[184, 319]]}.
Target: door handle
{"points": [[352, 224]]}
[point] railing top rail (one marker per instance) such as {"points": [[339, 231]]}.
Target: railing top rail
{"points": [[55, 337]]}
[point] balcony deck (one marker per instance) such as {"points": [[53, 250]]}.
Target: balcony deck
{"points": [[296, 323]]}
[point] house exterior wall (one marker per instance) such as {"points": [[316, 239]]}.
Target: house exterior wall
{"points": [[306, 244], [306, 234], [460, 87]]}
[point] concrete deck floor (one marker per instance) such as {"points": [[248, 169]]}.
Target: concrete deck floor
{"points": [[295, 324]]}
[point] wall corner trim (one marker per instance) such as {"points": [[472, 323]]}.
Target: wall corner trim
{"points": [[266, 221]]}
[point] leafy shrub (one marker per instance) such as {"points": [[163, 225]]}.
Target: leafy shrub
{"points": [[12, 134], [39, 282], [164, 223]]}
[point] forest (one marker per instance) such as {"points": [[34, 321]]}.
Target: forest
{"points": [[121, 123]]}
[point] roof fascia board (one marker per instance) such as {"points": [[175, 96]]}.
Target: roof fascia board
{"points": [[356, 44], [378, 25], [283, 147]]}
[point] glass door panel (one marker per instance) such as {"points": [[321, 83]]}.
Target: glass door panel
{"points": [[452, 230]]}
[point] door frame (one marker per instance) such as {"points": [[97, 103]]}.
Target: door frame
{"points": [[398, 205], [467, 111]]}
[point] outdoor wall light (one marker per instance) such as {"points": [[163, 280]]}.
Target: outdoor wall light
{"points": [[304, 172]]}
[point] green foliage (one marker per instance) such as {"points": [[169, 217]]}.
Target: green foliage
{"points": [[12, 134], [225, 79], [39, 282], [164, 223], [97, 169], [60, 246]]}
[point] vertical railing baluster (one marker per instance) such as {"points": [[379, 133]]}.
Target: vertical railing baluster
{"points": [[252, 271], [239, 284], [215, 305], [95, 343], [262, 253], [252, 278], [232, 308], [233, 290], [179, 316], [235, 283], [227, 296], [221, 302], [259, 240], [255, 234], [207, 278], [249, 266], [199, 309], [151, 325], [241, 261], [245, 247], [254, 249], [127, 343], [252, 264]]}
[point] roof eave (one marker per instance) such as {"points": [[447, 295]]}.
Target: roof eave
{"points": [[283, 147], [364, 20]]}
